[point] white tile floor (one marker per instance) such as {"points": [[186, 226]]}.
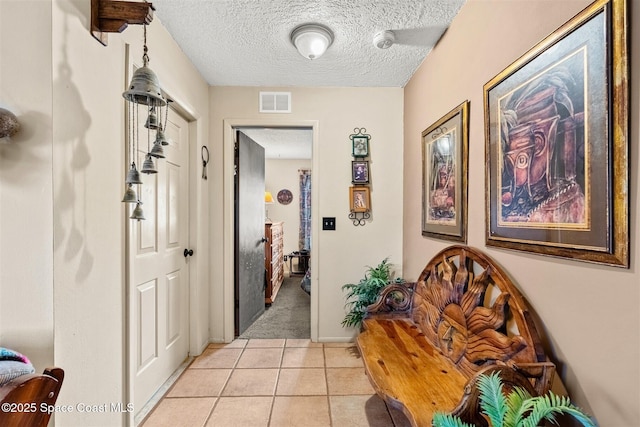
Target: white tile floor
{"points": [[274, 383]]}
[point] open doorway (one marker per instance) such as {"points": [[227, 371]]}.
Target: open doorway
{"points": [[285, 212]]}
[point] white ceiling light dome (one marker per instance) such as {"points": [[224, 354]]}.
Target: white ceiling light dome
{"points": [[312, 40]]}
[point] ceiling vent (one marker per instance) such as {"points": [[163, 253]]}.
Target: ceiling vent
{"points": [[275, 102]]}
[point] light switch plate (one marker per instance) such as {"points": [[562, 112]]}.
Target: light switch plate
{"points": [[328, 223]]}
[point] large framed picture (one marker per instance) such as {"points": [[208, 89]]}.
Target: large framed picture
{"points": [[556, 123], [359, 199], [445, 157]]}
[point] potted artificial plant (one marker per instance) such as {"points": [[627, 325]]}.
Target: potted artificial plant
{"points": [[516, 409], [364, 293]]}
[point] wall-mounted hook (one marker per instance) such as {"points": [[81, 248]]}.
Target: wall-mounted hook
{"points": [[204, 152]]}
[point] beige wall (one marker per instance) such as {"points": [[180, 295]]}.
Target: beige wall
{"points": [[62, 257], [590, 313], [26, 194], [341, 256], [280, 174]]}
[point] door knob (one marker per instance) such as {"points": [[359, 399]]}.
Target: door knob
{"points": [[263, 240], [188, 252]]}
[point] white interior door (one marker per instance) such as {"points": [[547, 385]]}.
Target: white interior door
{"points": [[159, 273]]}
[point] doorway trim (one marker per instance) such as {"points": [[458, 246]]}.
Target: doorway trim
{"points": [[229, 126]]}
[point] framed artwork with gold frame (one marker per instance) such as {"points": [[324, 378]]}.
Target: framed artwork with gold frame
{"points": [[556, 123], [445, 156], [359, 199]]}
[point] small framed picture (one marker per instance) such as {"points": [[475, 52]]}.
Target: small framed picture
{"points": [[360, 145], [360, 172], [359, 199]]}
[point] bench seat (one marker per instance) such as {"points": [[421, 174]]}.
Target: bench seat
{"points": [[403, 366]]}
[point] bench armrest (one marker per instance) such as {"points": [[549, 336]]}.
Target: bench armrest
{"points": [[395, 298]]}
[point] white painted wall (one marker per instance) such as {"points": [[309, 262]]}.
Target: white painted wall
{"points": [[62, 252], [590, 314], [341, 255], [280, 174], [26, 194]]}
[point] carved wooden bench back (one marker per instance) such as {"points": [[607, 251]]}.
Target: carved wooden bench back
{"points": [[468, 307]]}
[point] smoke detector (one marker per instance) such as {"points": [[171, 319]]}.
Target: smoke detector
{"points": [[384, 39]]}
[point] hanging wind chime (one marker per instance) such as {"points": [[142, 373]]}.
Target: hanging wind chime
{"points": [[144, 90]]}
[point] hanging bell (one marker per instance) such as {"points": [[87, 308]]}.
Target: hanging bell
{"points": [[160, 137], [130, 195], [145, 88], [133, 176], [152, 120], [137, 212], [157, 151], [148, 166]]}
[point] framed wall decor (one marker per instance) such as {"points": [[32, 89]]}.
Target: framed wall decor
{"points": [[445, 156], [360, 172], [556, 123], [359, 199], [284, 196], [360, 145]]}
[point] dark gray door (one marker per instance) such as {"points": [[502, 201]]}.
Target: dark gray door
{"points": [[249, 232]]}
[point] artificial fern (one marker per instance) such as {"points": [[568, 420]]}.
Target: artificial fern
{"points": [[494, 402], [447, 420], [364, 293], [517, 409]]}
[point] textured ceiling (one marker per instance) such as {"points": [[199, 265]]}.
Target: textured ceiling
{"points": [[284, 144], [246, 42]]}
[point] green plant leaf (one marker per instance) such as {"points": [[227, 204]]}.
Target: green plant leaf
{"points": [[447, 420], [517, 407], [361, 295], [548, 406], [492, 401]]}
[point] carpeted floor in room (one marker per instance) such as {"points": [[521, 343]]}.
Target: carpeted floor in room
{"points": [[288, 316]]}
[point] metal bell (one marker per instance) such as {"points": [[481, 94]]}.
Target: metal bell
{"points": [[137, 212], [148, 166], [130, 195], [161, 137], [145, 88], [152, 120], [133, 176], [156, 150]]}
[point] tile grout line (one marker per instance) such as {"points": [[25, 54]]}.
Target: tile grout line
{"points": [[275, 386], [326, 380]]}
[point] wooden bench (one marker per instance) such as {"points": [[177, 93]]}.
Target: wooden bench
{"points": [[29, 399], [424, 344]]}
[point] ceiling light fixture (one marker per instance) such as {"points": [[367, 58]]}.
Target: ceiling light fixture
{"points": [[312, 40]]}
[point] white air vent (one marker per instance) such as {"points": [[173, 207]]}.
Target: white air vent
{"points": [[275, 102]]}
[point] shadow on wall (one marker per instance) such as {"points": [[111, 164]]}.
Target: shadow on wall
{"points": [[70, 134]]}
